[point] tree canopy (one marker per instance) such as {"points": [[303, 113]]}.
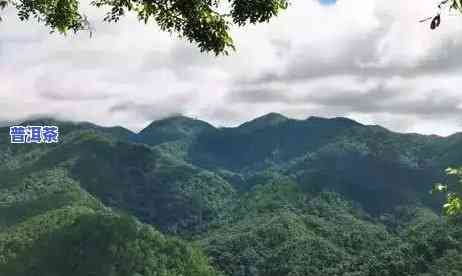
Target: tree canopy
{"points": [[445, 4], [205, 23]]}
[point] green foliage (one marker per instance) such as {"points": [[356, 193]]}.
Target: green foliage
{"points": [[327, 236], [171, 130], [60, 15], [3, 5], [457, 5], [95, 243], [453, 191], [198, 21], [256, 11], [450, 5], [155, 186], [371, 165], [40, 192], [281, 193]]}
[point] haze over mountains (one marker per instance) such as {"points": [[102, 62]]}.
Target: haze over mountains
{"points": [[273, 196]]}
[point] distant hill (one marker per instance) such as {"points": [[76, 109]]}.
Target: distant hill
{"points": [[172, 129], [268, 120], [371, 165]]}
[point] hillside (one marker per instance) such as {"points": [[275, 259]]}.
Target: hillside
{"points": [[172, 129], [273, 196]]}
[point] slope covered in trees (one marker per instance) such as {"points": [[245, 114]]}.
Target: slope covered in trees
{"points": [[274, 196]]}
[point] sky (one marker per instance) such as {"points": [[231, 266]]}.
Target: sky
{"points": [[328, 2], [369, 60]]}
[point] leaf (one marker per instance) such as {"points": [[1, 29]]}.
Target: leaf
{"points": [[439, 188], [435, 22], [458, 5]]}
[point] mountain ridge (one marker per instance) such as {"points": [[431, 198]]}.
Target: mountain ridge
{"points": [[184, 117], [303, 149]]}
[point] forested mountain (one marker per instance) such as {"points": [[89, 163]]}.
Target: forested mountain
{"points": [[273, 196]]}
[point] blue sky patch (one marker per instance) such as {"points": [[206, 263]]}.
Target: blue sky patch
{"points": [[328, 2]]}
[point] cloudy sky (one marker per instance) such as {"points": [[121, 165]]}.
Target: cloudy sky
{"points": [[370, 60]]}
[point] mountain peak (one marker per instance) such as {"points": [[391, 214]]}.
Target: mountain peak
{"points": [[42, 121], [172, 128], [270, 119], [340, 120], [175, 120], [273, 116]]}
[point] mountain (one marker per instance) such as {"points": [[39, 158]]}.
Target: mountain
{"points": [[253, 148], [79, 239], [273, 196], [145, 181], [172, 129], [369, 164], [268, 120], [61, 208]]}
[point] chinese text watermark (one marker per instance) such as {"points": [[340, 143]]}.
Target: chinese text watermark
{"points": [[34, 134]]}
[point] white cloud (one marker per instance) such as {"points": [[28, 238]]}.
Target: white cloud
{"points": [[368, 59]]}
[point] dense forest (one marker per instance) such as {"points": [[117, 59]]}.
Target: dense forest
{"points": [[272, 197]]}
